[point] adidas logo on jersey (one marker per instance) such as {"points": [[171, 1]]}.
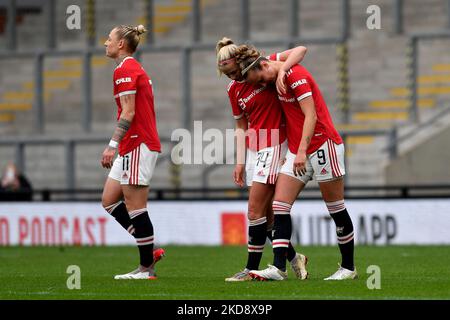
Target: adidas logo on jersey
{"points": [[324, 171], [261, 173]]}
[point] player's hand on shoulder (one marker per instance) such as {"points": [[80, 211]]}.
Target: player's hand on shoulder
{"points": [[281, 82]]}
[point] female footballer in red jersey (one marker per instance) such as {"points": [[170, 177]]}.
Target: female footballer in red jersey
{"points": [[315, 147], [258, 116], [137, 142]]}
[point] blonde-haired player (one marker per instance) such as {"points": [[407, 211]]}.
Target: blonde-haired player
{"points": [[137, 142], [315, 147], [258, 116]]}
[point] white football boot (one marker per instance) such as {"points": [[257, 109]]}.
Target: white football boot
{"points": [[343, 274], [240, 276], [270, 273], [138, 274], [298, 265]]}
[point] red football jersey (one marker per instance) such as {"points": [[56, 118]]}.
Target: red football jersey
{"points": [[131, 78], [262, 109], [300, 84]]}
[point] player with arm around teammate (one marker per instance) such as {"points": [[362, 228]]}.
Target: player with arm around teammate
{"points": [[257, 109], [315, 147]]}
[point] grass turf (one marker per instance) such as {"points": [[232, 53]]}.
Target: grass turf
{"points": [[188, 272]]}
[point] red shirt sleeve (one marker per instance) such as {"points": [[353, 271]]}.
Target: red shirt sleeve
{"points": [[237, 111], [125, 81], [274, 57], [299, 84]]}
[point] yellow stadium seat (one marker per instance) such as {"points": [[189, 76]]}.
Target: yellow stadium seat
{"points": [[7, 117], [401, 104], [15, 106], [380, 116]]}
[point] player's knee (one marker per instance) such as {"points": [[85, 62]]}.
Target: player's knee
{"points": [[281, 207], [254, 213], [133, 203], [332, 190], [110, 198], [256, 210], [130, 202], [110, 207], [107, 202]]}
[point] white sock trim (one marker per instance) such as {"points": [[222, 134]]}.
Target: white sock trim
{"points": [[133, 214], [131, 229], [144, 241], [255, 248], [113, 206], [347, 238], [281, 206], [257, 222], [335, 206], [280, 243]]}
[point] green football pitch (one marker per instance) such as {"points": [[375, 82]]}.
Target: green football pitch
{"points": [[196, 272]]}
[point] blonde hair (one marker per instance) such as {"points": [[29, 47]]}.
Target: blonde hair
{"points": [[225, 51], [131, 35], [247, 57]]}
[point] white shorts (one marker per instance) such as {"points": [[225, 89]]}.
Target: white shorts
{"points": [[135, 167], [288, 169], [325, 164], [264, 165]]}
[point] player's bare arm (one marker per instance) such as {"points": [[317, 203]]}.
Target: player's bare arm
{"points": [[290, 57], [241, 129], [123, 125], [309, 110]]}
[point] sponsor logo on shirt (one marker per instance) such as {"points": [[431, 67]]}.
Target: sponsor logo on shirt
{"points": [[121, 80], [284, 99], [298, 83], [243, 101]]}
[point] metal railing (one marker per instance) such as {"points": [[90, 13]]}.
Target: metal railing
{"points": [[395, 139], [214, 194], [397, 13], [86, 79], [413, 67], [197, 44], [186, 51], [196, 25], [70, 144], [391, 149], [186, 72]]}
